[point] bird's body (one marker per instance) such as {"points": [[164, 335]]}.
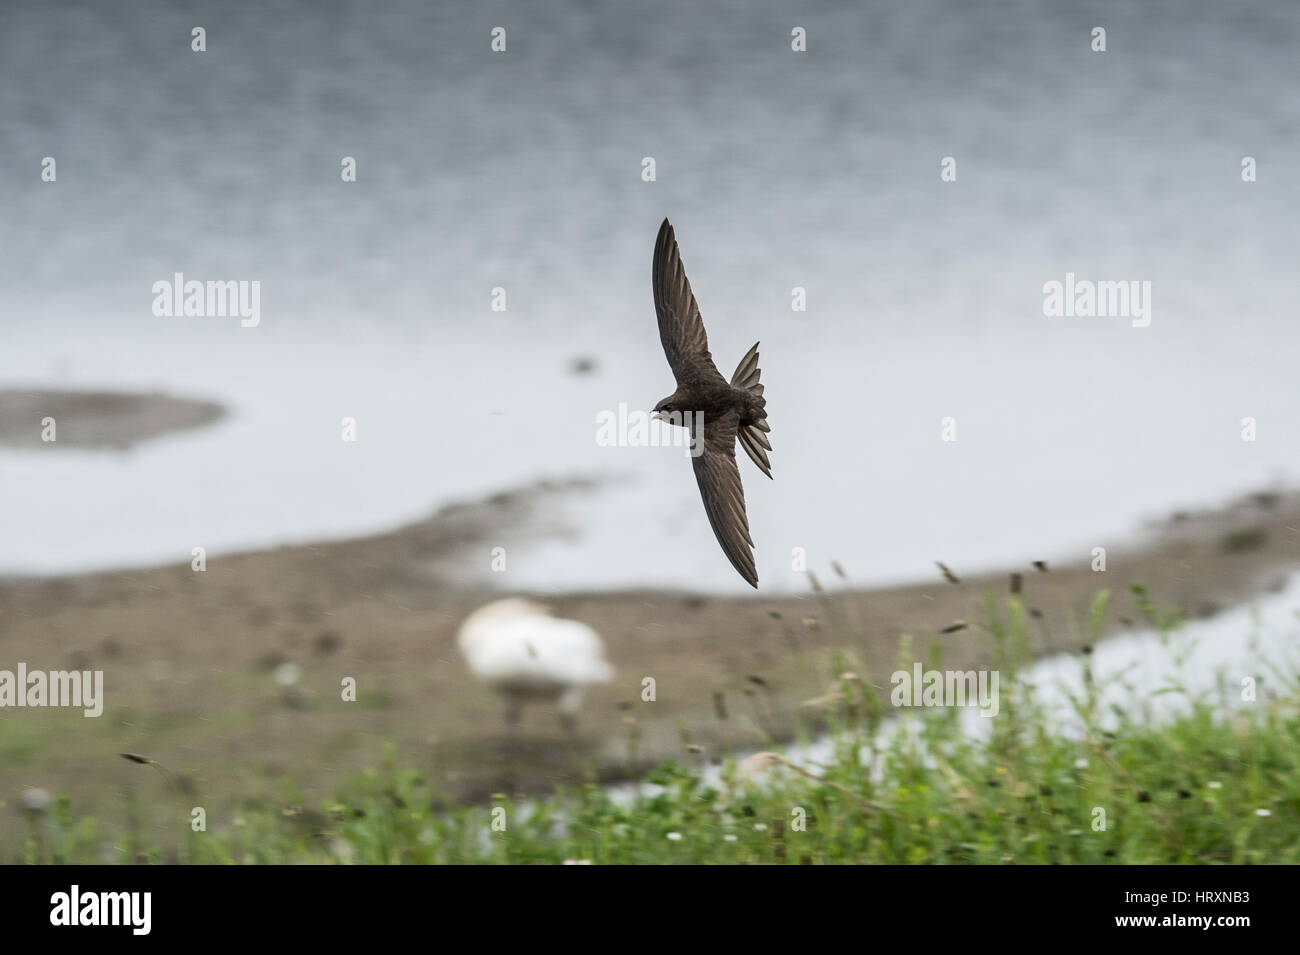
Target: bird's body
{"points": [[718, 412], [518, 649]]}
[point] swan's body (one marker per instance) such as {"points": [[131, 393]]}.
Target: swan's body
{"points": [[518, 649]]}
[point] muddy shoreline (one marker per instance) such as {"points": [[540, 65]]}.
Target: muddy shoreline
{"points": [[96, 420], [189, 657]]}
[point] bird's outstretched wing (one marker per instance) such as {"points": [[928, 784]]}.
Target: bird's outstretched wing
{"points": [[680, 327], [724, 497]]}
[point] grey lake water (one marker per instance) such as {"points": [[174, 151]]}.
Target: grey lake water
{"points": [[522, 170]]}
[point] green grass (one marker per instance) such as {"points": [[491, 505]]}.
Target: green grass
{"points": [[1218, 784]]}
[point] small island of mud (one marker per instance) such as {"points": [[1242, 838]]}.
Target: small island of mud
{"points": [[96, 420]]}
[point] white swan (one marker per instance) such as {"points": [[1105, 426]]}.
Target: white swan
{"points": [[522, 652]]}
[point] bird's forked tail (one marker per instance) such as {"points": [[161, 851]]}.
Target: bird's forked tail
{"points": [[753, 437]]}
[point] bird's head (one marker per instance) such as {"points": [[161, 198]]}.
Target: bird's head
{"points": [[669, 410]]}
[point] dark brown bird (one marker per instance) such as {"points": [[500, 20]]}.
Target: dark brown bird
{"points": [[716, 412]]}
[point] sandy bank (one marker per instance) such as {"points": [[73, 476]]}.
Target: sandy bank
{"points": [[96, 419], [188, 657]]}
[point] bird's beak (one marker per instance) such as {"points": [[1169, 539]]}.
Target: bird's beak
{"points": [[656, 416]]}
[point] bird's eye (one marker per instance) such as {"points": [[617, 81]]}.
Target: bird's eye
{"points": [[667, 408]]}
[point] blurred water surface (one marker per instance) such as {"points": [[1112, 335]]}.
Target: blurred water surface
{"points": [[523, 170]]}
